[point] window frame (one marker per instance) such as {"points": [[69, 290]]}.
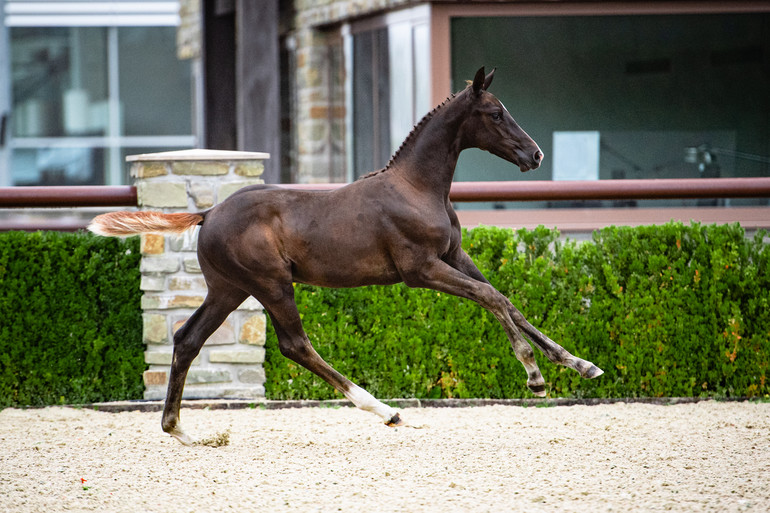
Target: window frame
{"points": [[441, 15], [441, 22]]}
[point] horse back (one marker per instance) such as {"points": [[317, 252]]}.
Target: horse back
{"points": [[334, 238]]}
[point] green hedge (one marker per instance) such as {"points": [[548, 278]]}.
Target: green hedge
{"points": [[671, 310], [70, 319], [668, 310]]}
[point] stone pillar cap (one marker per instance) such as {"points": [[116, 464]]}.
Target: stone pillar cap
{"points": [[198, 154]]}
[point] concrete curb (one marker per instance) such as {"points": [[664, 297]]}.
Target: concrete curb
{"points": [[240, 404]]}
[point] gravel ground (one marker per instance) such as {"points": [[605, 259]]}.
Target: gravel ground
{"points": [[707, 456]]}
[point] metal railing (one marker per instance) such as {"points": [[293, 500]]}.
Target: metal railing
{"points": [[68, 196], [541, 190], [126, 196]]}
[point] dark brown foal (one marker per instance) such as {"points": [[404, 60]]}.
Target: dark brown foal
{"points": [[394, 225]]}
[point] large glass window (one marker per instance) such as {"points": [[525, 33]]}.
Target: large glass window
{"points": [[80, 95], [614, 97], [155, 86], [59, 82], [390, 86]]}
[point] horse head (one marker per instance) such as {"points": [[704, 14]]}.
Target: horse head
{"points": [[491, 127]]}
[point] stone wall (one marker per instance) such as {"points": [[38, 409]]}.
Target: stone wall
{"points": [[314, 13], [320, 108], [230, 363], [188, 34]]}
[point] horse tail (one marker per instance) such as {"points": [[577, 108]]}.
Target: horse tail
{"points": [[125, 224]]}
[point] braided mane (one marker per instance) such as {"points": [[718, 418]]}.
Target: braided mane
{"points": [[410, 138]]}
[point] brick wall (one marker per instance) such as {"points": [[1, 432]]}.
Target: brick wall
{"points": [[230, 363]]}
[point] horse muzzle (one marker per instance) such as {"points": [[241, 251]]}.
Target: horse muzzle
{"points": [[529, 162]]}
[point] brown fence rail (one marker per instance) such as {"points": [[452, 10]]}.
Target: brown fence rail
{"points": [[598, 190], [68, 196], [126, 196]]}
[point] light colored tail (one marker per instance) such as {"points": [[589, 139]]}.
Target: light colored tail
{"points": [[125, 224]]}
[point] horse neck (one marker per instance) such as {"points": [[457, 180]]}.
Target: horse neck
{"points": [[428, 157]]}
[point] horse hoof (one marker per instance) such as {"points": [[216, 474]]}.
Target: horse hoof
{"points": [[181, 436], [537, 389], [395, 421], [591, 372]]}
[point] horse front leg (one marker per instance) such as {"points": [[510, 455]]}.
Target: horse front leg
{"points": [[553, 351], [439, 275], [295, 345]]}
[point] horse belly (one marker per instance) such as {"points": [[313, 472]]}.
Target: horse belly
{"points": [[343, 265]]}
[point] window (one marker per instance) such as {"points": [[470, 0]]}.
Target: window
{"points": [[649, 96], [84, 95], [390, 85], [371, 101]]}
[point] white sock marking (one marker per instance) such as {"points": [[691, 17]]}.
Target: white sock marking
{"points": [[366, 401]]}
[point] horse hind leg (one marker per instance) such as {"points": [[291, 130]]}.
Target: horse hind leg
{"points": [[188, 341], [295, 345]]}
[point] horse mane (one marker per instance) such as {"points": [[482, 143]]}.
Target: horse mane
{"points": [[410, 138]]}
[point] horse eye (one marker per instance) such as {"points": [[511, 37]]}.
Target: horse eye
{"points": [[496, 116]]}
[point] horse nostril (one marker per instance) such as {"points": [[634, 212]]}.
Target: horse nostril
{"points": [[538, 156]]}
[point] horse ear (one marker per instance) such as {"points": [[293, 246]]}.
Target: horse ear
{"points": [[478, 81], [489, 78]]}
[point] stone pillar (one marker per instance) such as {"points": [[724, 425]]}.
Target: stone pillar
{"points": [[230, 363]]}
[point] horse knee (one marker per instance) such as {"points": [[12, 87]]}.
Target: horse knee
{"points": [[527, 353], [524, 352]]}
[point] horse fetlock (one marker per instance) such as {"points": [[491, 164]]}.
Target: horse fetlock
{"points": [[366, 401]]}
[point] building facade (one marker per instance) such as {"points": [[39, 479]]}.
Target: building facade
{"points": [[86, 83], [330, 88]]}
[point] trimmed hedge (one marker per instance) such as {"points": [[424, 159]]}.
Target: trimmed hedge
{"points": [[666, 311], [669, 310], [70, 319]]}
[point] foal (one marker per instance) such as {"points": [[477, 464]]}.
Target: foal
{"points": [[396, 224]]}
